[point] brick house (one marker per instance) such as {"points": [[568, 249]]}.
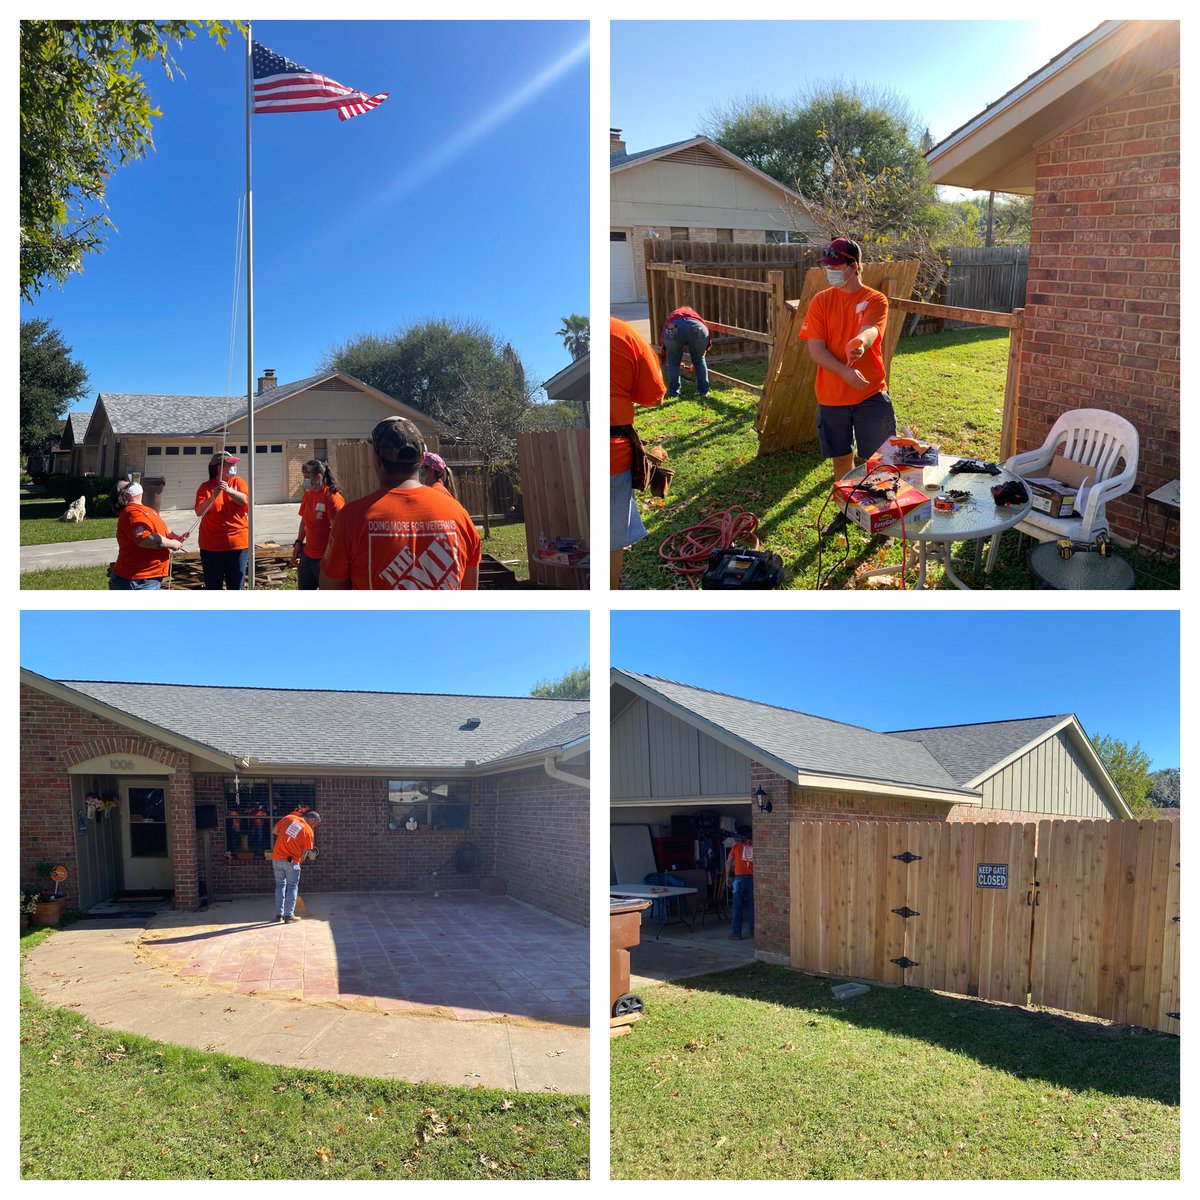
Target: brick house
{"points": [[417, 792], [1093, 137], [682, 756], [175, 436], [696, 190]]}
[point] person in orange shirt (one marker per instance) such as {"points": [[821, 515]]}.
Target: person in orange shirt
{"points": [[144, 543], [321, 502], [223, 506], [293, 844], [405, 535], [635, 378], [844, 328], [436, 474], [739, 867]]}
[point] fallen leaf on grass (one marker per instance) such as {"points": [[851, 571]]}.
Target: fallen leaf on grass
{"points": [[324, 1153]]}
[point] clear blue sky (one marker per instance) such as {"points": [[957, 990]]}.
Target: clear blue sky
{"points": [[1118, 672], [947, 70], [464, 195], [470, 653]]}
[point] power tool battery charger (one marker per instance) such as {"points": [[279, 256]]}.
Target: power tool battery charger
{"points": [[757, 570]]}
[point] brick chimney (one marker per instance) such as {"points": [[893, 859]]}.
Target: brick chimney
{"points": [[267, 380], [616, 144]]}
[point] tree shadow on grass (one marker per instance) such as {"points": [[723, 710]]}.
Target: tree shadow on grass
{"points": [[1075, 1053]]}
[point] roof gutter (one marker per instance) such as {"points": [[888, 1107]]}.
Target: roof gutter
{"points": [[550, 765]]}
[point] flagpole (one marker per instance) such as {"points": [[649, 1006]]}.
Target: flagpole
{"points": [[250, 294]]}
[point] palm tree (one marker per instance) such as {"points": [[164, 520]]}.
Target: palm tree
{"points": [[576, 335]]}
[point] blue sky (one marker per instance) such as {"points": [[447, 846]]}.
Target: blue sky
{"points": [[471, 653], [947, 70], [463, 195], [1118, 672]]}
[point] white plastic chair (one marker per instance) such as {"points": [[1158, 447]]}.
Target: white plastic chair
{"points": [[1092, 437]]}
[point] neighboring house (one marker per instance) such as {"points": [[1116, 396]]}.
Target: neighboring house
{"points": [[678, 751], [175, 436], [696, 190], [1093, 137], [71, 456], [403, 783], [573, 384]]}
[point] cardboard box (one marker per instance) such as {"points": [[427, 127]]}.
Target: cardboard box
{"points": [[1062, 491], [874, 516]]}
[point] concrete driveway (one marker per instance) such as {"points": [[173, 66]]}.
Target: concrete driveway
{"points": [[637, 313], [272, 523], [460, 989]]}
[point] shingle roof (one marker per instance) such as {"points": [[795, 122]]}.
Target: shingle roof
{"points": [[619, 160], [280, 726], [967, 751], [186, 416], [79, 423], [812, 745]]}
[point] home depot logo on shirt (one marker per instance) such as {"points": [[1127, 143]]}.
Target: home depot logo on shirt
{"points": [[427, 560]]}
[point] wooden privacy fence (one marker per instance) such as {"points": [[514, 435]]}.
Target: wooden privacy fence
{"points": [[724, 308], [986, 277], [1078, 915], [352, 466], [555, 477], [787, 412]]}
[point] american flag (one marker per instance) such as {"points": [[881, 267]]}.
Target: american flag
{"points": [[282, 86]]}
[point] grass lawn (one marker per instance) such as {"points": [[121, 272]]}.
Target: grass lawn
{"points": [[949, 387], [507, 543], [759, 1074], [40, 524], [101, 1104]]}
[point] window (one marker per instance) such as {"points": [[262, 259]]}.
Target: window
{"points": [[207, 450], [786, 237], [429, 804], [189, 449], [721, 235], [173, 450], [615, 236], [678, 234], [154, 450], [277, 449], [252, 810], [260, 449], [147, 822]]}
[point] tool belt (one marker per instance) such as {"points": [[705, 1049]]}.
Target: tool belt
{"points": [[647, 468]]}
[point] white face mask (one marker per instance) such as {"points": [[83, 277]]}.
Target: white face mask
{"points": [[311, 484], [836, 278]]}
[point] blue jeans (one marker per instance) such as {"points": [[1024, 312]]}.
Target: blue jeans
{"points": [[287, 886], [117, 584], [743, 898], [308, 573], [685, 333], [224, 568]]}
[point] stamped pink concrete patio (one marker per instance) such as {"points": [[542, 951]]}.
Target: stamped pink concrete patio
{"points": [[461, 954]]}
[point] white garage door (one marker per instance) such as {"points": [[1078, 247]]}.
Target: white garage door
{"points": [[620, 268], [185, 468]]}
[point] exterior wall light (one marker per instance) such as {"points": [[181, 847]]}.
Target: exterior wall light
{"points": [[764, 805]]}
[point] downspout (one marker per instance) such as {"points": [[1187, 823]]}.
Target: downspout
{"points": [[550, 764]]}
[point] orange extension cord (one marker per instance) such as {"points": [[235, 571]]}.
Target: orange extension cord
{"points": [[687, 551]]}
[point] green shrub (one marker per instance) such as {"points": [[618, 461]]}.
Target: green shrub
{"points": [[68, 488]]}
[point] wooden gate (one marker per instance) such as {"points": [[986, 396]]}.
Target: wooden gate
{"points": [[1078, 913]]}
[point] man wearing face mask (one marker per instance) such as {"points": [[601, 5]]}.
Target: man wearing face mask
{"points": [[844, 329]]}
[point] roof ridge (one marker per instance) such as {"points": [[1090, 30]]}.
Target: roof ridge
{"points": [[976, 724]]}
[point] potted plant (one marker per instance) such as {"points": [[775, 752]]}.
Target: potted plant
{"points": [[29, 902], [49, 908]]}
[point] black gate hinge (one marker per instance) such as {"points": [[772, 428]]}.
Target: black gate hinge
{"points": [[904, 962], [906, 912], [1175, 1016], [907, 857]]}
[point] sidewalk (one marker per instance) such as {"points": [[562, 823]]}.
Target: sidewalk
{"points": [[106, 971], [272, 523]]}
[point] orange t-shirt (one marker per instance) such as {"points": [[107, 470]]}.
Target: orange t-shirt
{"points": [[317, 510], [416, 539], [439, 486], [135, 559], [635, 378], [226, 525], [834, 317], [293, 835], [743, 858]]}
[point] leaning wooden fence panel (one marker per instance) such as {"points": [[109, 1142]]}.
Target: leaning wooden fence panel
{"points": [[555, 477], [787, 413]]}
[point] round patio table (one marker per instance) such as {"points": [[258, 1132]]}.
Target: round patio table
{"points": [[1080, 572], [975, 518]]}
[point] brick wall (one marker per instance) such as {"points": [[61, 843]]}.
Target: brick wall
{"points": [[1102, 305], [542, 842], [56, 736]]}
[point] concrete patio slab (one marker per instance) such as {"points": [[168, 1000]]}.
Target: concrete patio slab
{"points": [[129, 975], [682, 954]]}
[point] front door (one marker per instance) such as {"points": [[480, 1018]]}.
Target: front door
{"points": [[144, 835]]}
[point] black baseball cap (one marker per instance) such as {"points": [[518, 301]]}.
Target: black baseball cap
{"points": [[841, 250], [398, 440]]}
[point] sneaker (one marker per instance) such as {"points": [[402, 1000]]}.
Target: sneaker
{"points": [[289, 920], [279, 917]]}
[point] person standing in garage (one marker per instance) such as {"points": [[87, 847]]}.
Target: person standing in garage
{"points": [[739, 868], [223, 506]]}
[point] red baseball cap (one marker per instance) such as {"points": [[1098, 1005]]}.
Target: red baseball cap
{"points": [[841, 250]]}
